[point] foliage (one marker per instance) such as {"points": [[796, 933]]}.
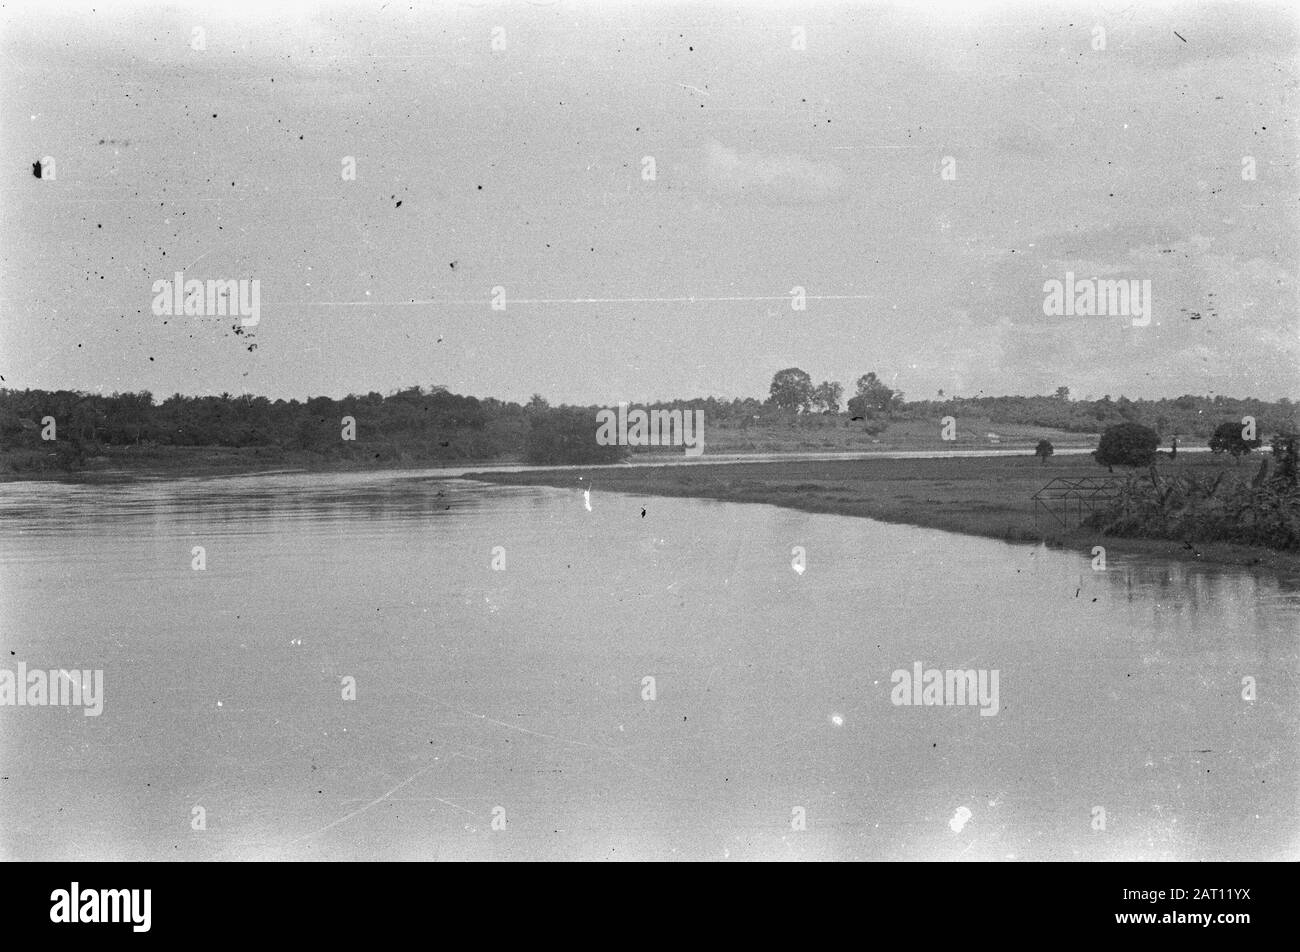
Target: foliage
{"points": [[1127, 444], [568, 435], [791, 390], [1286, 453], [1222, 507], [1228, 437], [432, 425], [826, 397], [874, 394]]}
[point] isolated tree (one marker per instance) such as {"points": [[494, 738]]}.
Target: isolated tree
{"points": [[1227, 438], [1062, 393], [1044, 450], [792, 390], [1127, 444], [826, 396]]}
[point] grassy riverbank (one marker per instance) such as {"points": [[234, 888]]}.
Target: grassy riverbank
{"points": [[987, 496]]}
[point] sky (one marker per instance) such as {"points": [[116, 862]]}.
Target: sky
{"points": [[920, 170]]}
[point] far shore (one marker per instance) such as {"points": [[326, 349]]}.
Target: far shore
{"points": [[126, 463]]}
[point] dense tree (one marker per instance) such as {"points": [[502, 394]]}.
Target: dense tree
{"points": [[1127, 444], [875, 394], [826, 397], [568, 435], [1229, 438], [791, 390], [432, 425]]}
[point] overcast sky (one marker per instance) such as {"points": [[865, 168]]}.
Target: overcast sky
{"points": [[774, 167]]}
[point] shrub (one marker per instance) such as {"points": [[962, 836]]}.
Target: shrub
{"points": [[1286, 452], [1222, 508]]}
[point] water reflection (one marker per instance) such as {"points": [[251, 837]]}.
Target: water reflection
{"points": [[525, 687]]}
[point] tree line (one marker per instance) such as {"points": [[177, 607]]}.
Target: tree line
{"points": [[432, 424]]}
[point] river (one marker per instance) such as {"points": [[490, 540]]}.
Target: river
{"points": [[409, 666]]}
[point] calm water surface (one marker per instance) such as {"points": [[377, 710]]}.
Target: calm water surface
{"points": [[521, 694]]}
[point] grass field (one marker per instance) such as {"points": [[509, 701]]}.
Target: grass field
{"points": [[987, 496], [806, 436]]}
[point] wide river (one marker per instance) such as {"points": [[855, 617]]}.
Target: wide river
{"points": [[409, 666]]}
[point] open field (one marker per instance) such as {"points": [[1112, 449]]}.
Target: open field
{"points": [[839, 434], [986, 496]]}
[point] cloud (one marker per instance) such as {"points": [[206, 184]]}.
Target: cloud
{"points": [[772, 178]]}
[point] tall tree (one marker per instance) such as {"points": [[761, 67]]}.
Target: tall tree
{"points": [[875, 394], [792, 389]]}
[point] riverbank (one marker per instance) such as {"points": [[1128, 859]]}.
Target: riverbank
{"points": [[984, 496], [126, 463]]}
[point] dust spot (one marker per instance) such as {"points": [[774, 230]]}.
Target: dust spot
{"points": [[959, 819]]}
